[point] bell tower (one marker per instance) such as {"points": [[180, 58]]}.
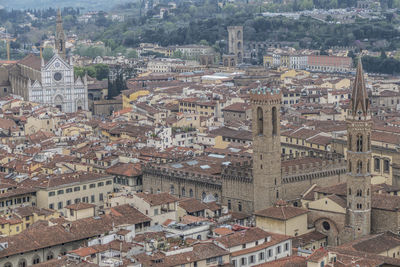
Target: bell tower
{"points": [[60, 37], [359, 126], [266, 104]]}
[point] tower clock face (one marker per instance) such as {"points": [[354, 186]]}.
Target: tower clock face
{"points": [[57, 76]]}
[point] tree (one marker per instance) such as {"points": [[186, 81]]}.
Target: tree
{"points": [[383, 54], [102, 71], [203, 42], [47, 53], [79, 71], [132, 54]]}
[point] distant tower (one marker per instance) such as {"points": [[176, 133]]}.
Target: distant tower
{"points": [[359, 126], [266, 104], [60, 37], [236, 42]]}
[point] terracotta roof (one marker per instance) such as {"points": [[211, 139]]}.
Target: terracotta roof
{"points": [[31, 61], [376, 244], [385, 202], [243, 237], [305, 239], [157, 199], [338, 200], [125, 169], [80, 206], [292, 261], [237, 107], [201, 251], [222, 231], [83, 252], [191, 205], [281, 212]]}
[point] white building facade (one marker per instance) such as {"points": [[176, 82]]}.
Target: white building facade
{"points": [[59, 87]]}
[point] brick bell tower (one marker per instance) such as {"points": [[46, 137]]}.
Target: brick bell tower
{"points": [[60, 37], [359, 126], [266, 105]]}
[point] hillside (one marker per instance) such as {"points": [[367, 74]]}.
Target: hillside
{"points": [[86, 4]]}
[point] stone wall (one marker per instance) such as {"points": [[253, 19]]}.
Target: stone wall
{"points": [[384, 220], [328, 223]]}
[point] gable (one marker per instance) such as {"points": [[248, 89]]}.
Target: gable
{"points": [[326, 204], [57, 63]]}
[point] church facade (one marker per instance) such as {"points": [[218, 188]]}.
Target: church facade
{"points": [[59, 87], [53, 82]]}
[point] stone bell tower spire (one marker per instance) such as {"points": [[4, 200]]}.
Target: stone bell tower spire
{"points": [[60, 37], [359, 126]]}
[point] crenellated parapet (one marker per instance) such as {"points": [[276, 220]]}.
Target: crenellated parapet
{"points": [[240, 170], [264, 95], [292, 173], [171, 173]]}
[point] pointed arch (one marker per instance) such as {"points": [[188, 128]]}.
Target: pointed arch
{"points": [[274, 121], [260, 121], [359, 143], [349, 144], [359, 167]]}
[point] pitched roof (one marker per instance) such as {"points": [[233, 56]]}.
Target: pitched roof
{"points": [[385, 202], [192, 205], [80, 206], [375, 243], [31, 61], [125, 169], [281, 212], [243, 237], [157, 199]]}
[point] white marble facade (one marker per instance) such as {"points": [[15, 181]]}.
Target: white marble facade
{"points": [[59, 87]]}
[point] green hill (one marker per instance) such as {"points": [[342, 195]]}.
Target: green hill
{"points": [[86, 4]]}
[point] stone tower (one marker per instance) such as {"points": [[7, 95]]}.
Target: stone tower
{"points": [[60, 37], [235, 34], [359, 126], [266, 104]]}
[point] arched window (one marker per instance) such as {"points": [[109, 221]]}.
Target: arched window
{"points": [[50, 256], [359, 192], [274, 121], [368, 166], [359, 143], [349, 166], [260, 121], [229, 204], [22, 263], [36, 259], [216, 197], [277, 194], [199, 237], [349, 143], [183, 191], [240, 206], [203, 196], [8, 264], [349, 191], [369, 142], [359, 166], [172, 189], [191, 193]]}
